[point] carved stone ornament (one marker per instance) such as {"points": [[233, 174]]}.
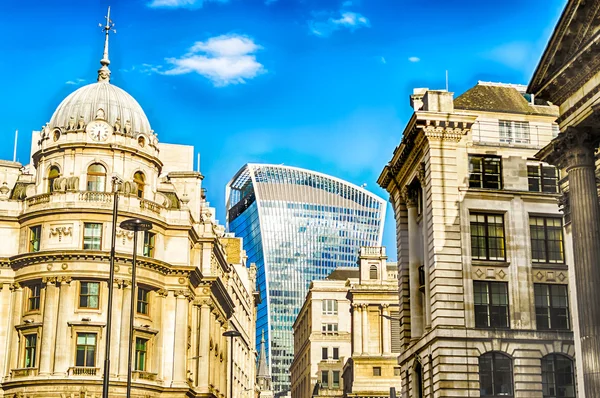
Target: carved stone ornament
{"points": [[100, 114], [409, 195], [421, 174], [574, 147], [80, 123], [117, 125], [4, 191], [124, 234], [71, 124], [127, 127], [162, 293], [61, 231]]}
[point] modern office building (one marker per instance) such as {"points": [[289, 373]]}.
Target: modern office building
{"points": [[297, 226]]}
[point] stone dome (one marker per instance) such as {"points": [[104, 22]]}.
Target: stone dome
{"points": [[115, 102]]}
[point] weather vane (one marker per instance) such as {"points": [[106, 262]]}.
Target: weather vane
{"points": [[104, 72]]}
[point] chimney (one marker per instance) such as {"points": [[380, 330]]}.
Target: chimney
{"points": [[438, 101]]}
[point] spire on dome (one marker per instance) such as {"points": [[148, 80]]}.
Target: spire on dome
{"points": [[104, 72]]}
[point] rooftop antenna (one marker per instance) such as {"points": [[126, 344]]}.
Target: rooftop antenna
{"points": [[446, 79], [15, 150], [198, 163], [104, 72]]}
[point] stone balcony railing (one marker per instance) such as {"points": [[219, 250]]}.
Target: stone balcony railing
{"points": [[83, 371], [23, 372], [142, 375], [372, 251]]}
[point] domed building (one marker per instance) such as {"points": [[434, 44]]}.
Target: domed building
{"points": [[56, 227]]}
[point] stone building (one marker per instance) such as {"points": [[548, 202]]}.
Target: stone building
{"points": [[484, 266], [569, 75], [56, 231], [343, 337]]}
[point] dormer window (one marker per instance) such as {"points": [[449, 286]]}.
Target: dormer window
{"points": [[140, 179], [373, 272], [96, 178], [53, 174]]}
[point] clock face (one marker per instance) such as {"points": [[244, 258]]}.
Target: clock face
{"points": [[98, 131]]}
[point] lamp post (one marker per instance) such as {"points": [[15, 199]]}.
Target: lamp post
{"points": [[135, 225], [116, 181], [232, 334]]}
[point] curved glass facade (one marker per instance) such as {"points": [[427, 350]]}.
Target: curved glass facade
{"points": [[297, 226]]}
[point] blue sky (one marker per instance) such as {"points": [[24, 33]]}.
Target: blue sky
{"points": [[318, 84]]}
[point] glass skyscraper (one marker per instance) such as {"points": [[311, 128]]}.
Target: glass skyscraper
{"points": [[297, 226]]}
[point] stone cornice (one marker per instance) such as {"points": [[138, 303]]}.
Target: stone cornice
{"points": [[573, 147]]}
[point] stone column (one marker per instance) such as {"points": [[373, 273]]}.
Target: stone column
{"points": [[66, 301], [204, 340], [181, 332], [356, 326], [574, 150], [115, 342], [125, 339], [169, 321], [13, 342], [385, 333], [365, 328], [416, 305], [48, 342], [159, 304]]}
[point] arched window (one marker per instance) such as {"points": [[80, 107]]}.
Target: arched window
{"points": [[495, 375], [53, 174], [140, 179], [419, 380], [373, 272], [96, 178], [558, 378]]}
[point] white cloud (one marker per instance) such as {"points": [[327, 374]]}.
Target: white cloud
{"points": [[414, 59], [383, 61], [348, 19], [346, 4], [224, 60], [75, 82], [516, 55], [181, 3]]}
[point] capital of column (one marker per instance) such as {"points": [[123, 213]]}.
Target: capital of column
{"points": [[364, 306], [574, 147], [421, 174], [50, 280], [409, 195]]}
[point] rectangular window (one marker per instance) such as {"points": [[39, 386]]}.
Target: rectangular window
{"points": [[336, 353], [487, 237], [395, 332], [546, 240], [324, 353], [330, 307], [335, 379], [92, 236], [329, 328], [397, 371], [325, 378], [485, 172], [142, 301], [30, 350], [35, 234], [141, 353], [34, 298], [542, 178], [89, 294], [551, 307], [86, 350], [514, 132], [376, 371], [149, 238], [491, 304]]}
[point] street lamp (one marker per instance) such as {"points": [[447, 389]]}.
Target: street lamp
{"points": [[135, 225], [233, 334]]}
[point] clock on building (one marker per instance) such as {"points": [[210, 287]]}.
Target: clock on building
{"points": [[98, 130]]}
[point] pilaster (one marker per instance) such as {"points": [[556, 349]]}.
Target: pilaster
{"points": [[66, 302], [48, 343]]}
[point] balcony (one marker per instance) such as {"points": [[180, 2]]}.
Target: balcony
{"points": [[83, 371], [23, 372], [142, 375], [372, 251]]}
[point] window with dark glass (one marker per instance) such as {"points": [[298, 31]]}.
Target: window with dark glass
{"points": [[53, 174], [96, 178], [514, 132], [329, 328], [495, 375], [325, 378], [35, 235], [487, 237], [373, 272], [330, 307], [335, 379], [336, 353], [542, 178], [546, 240], [143, 300], [89, 295], [558, 377], [491, 304], [92, 236], [324, 353], [86, 350], [376, 370], [34, 298], [485, 172], [30, 350], [149, 239], [140, 181], [141, 353], [551, 306]]}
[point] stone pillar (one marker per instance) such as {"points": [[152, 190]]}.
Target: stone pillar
{"points": [[204, 341], [574, 150], [365, 328], [125, 339], [159, 304], [118, 289], [66, 300], [356, 326], [169, 321], [416, 304], [48, 342], [385, 333], [181, 332], [13, 343]]}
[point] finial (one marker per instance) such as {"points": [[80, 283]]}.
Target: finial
{"points": [[262, 339], [104, 72]]}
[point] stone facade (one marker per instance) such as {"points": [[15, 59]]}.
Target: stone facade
{"points": [[56, 229], [484, 267], [356, 357]]}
